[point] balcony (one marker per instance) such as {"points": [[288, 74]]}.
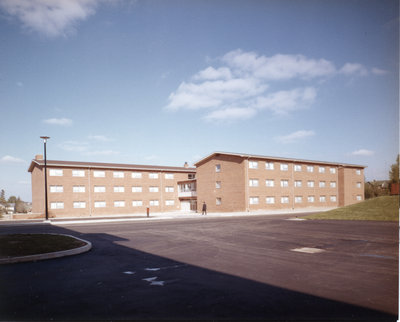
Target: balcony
{"points": [[187, 193]]}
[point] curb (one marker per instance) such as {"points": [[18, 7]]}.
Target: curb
{"points": [[63, 253]]}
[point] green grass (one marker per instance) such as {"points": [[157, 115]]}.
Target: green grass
{"points": [[385, 208], [31, 244]]}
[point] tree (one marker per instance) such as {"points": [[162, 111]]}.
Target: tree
{"points": [[394, 171], [12, 199], [3, 200]]}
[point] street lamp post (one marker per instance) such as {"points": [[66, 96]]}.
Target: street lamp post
{"points": [[45, 138]]}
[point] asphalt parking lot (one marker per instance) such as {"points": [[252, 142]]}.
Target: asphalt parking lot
{"points": [[265, 267]]}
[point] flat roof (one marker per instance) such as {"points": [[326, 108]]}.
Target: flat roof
{"points": [[114, 166], [255, 156]]}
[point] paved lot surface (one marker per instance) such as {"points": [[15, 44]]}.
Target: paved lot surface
{"points": [[211, 268]]}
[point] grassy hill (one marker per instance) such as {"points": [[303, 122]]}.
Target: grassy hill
{"points": [[385, 208]]}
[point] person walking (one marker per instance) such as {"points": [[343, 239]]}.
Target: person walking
{"points": [[204, 209]]}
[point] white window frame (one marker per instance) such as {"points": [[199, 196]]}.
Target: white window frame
{"points": [[358, 172], [310, 168], [99, 189], [253, 182], [119, 204], [99, 174], [284, 183], [321, 169], [153, 175], [333, 198], [153, 189], [56, 189], [56, 172], [359, 198], [270, 200], [254, 200], [154, 203], [322, 198], [298, 199], [169, 189], [298, 183], [119, 189], [137, 189], [332, 184], [78, 189], [253, 164], [284, 167], [322, 184], [168, 175], [358, 184], [100, 204], [285, 199], [332, 170], [310, 183], [297, 168], [79, 204], [269, 182], [136, 175], [311, 199], [217, 184], [118, 174], [57, 205], [217, 168], [78, 173], [269, 166], [137, 203], [170, 202], [218, 201]]}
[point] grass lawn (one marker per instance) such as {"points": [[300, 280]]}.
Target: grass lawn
{"points": [[385, 208], [15, 245]]}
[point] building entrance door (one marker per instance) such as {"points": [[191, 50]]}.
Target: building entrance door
{"points": [[185, 205]]}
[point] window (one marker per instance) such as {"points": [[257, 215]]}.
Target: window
{"points": [[322, 184], [310, 168], [333, 184], [169, 202], [99, 174], [297, 167], [78, 173], [310, 198], [169, 176], [137, 189], [218, 201], [298, 199], [358, 172], [154, 203], [284, 167], [284, 183], [359, 197], [136, 175], [270, 200], [153, 189], [169, 189], [191, 176], [137, 203], [78, 189], [321, 169], [297, 183], [285, 199], [358, 184], [333, 198], [99, 189], [56, 189], [153, 175], [119, 203], [118, 174], [218, 184], [269, 165], [217, 168], [322, 199], [253, 164], [310, 184], [56, 172], [253, 182], [99, 204], [79, 204], [253, 200], [269, 183], [332, 170], [57, 205], [119, 189]]}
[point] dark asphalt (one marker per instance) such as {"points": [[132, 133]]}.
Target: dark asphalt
{"points": [[211, 268]]}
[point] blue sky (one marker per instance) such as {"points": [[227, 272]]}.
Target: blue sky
{"points": [[164, 82]]}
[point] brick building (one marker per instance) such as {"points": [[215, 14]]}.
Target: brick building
{"points": [[225, 181]]}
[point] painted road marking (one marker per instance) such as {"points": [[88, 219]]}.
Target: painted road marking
{"points": [[308, 250]]}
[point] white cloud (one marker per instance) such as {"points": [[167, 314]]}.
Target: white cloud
{"points": [[353, 69], [363, 152], [295, 136], [378, 71], [11, 159], [101, 138], [212, 73], [230, 114], [59, 121], [51, 18]]}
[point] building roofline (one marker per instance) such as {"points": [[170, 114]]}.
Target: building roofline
{"points": [[255, 156], [101, 165]]}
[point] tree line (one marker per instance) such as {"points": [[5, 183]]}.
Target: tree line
{"points": [[20, 206]]}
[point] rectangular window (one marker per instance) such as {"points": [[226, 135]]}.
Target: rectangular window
{"points": [[298, 199], [169, 189], [79, 204], [322, 184], [284, 183], [269, 182], [310, 168], [153, 189], [253, 182], [322, 199], [270, 200], [78, 173], [57, 205], [154, 203], [297, 183], [269, 165], [332, 184], [217, 168], [218, 184], [253, 164], [284, 167], [99, 189], [137, 203], [285, 199], [332, 170], [254, 200], [119, 203], [99, 204], [358, 172], [169, 176], [119, 189], [55, 172], [297, 167], [310, 198], [333, 198], [78, 189], [99, 174], [218, 201], [321, 169], [153, 175], [136, 175], [310, 184], [169, 202], [358, 184], [137, 189], [359, 197], [191, 176], [56, 189], [118, 174]]}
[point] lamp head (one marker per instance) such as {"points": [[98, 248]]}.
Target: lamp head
{"points": [[45, 138]]}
